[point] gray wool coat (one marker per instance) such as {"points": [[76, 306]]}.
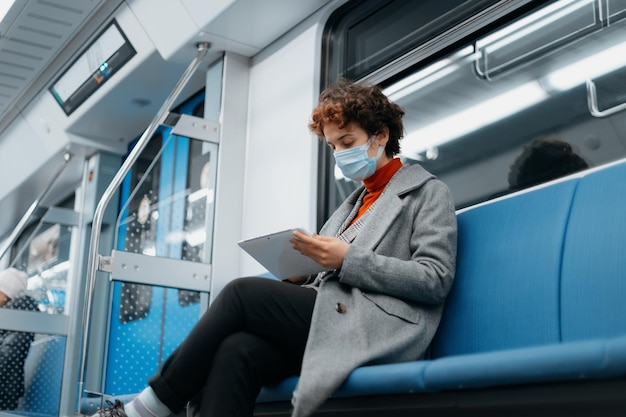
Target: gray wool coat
{"points": [[386, 302]]}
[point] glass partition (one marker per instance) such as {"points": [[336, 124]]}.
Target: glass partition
{"points": [[32, 361], [44, 255]]}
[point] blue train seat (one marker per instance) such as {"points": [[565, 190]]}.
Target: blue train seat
{"points": [[538, 298], [43, 377], [505, 297], [594, 266]]}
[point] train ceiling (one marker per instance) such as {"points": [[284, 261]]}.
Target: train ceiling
{"points": [[34, 36]]}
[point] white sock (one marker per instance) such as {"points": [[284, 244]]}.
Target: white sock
{"points": [[147, 404]]}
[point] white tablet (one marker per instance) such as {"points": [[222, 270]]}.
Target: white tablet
{"points": [[276, 253]]}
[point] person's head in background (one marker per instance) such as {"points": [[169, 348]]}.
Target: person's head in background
{"points": [[12, 285], [542, 160]]}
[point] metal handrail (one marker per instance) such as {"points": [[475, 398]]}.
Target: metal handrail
{"points": [[98, 217], [21, 225], [592, 103]]}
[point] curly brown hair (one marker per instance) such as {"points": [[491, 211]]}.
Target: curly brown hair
{"points": [[361, 103]]}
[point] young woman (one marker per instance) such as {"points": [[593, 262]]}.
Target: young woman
{"points": [[391, 248]]}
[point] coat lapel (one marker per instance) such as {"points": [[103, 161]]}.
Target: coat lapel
{"points": [[387, 208], [378, 222]]}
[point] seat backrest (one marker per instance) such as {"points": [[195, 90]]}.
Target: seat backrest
{"points": [[506, 290], [43, 374], [593, 293]]}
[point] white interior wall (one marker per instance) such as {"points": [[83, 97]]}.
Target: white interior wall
{"points": [[281, 158], [21, 144]]}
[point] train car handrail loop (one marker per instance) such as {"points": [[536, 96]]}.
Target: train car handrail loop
{"points": [[592, 102], [94, 256]]}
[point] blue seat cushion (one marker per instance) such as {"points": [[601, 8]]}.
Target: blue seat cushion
{"points": [[594, 258], [43, 376], [283, 391], [599, 358], [589, 359], [395, 378]]}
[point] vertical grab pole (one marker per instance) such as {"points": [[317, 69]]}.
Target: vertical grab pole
{"points": [[98, 216]]}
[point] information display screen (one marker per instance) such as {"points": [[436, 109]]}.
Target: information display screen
{"points": [[103, 58]]}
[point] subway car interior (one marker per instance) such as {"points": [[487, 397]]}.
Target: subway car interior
{"points": [[141, 140]]}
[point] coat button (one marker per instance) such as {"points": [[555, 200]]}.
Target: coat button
{"points": [[340, 308]]}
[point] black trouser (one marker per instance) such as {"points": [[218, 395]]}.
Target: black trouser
{"points": [[253, 334]]}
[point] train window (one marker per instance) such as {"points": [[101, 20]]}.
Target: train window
{"points": [[615, 10], [376, 32], [556, 25], [536, 98]]}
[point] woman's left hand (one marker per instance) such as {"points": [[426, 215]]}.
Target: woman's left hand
{"points": [[326, 251]]}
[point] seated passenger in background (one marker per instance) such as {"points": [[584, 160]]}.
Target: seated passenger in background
{"points": [[542, 160], [391, 248], [14, 345]]}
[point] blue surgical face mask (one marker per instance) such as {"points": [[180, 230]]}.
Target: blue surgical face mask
{"points": [[355, 163]]}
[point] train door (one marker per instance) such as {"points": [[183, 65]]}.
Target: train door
{"points": [[159, 271], [167, 206]]}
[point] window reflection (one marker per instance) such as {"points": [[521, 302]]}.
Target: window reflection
{"points": [[544, 159], [472, 113], [43, 254]]}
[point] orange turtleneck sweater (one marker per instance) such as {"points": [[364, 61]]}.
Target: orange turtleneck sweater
{"points": [[375, 184]]}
